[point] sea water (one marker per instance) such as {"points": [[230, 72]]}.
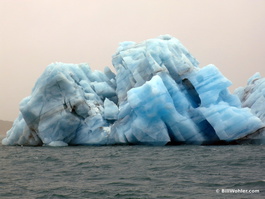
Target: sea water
{"points": [[133, 172]]}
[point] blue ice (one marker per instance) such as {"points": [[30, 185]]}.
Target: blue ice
{"points": [[159, 95]]}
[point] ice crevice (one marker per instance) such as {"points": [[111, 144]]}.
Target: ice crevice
{"points": [[159, 95]]}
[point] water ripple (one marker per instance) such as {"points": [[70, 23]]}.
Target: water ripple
{"points": [[131, 171]]}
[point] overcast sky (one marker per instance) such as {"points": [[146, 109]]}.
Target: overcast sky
{"points": [[34, 33]]}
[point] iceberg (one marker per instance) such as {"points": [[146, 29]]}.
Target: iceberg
{"points": [[159, 95]]}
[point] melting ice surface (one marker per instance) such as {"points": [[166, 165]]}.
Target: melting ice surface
{"points": [[159, 95]]}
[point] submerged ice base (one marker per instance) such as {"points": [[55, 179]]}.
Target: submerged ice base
{"points": [[159, 95]]}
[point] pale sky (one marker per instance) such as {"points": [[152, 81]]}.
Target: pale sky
{"points": [[34, 33]]}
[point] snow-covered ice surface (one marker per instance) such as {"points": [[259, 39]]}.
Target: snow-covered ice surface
{"points": [[159, 95]]}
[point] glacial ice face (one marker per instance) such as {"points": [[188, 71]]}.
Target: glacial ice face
{"points": [[159, 95]]}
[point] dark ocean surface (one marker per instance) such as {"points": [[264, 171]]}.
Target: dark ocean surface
{"points": [[132, 171]]}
